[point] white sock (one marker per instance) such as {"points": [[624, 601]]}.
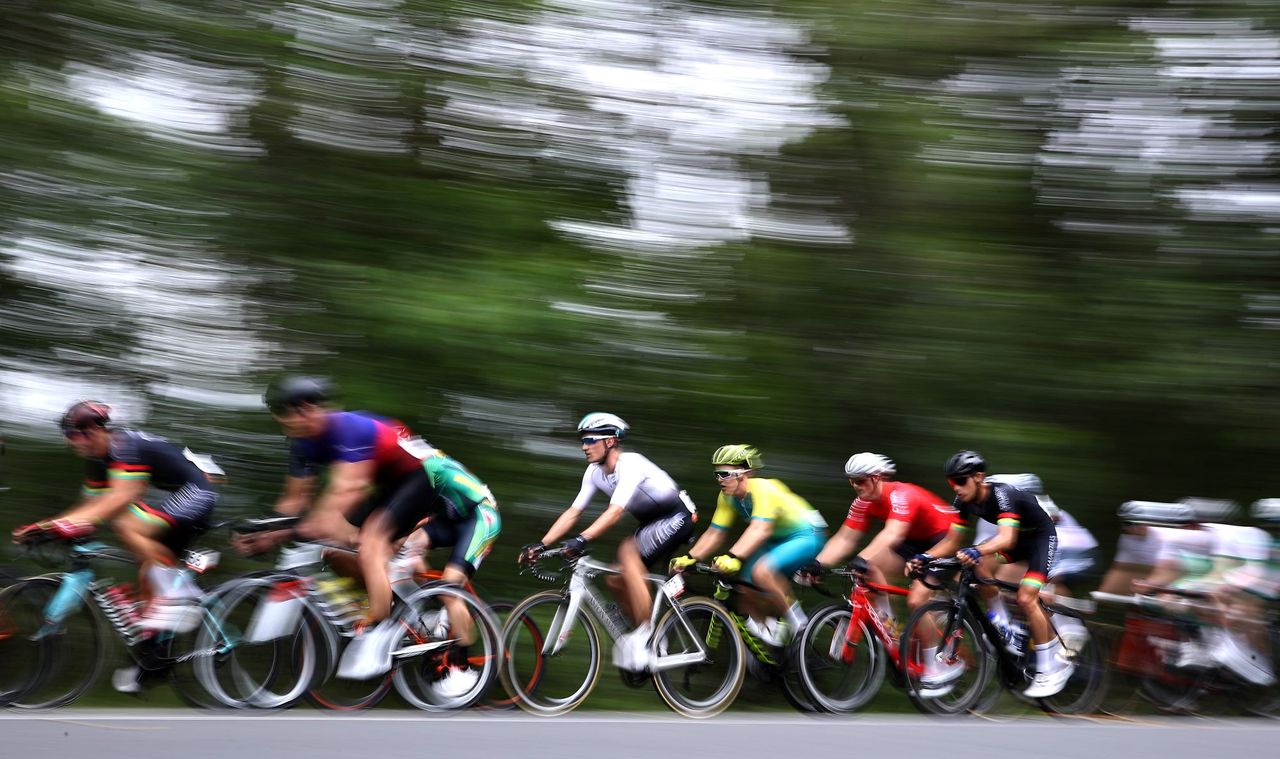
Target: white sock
{"points": [[796, 616], [1046, 657]]}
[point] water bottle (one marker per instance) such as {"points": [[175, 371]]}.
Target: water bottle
{"points": [[1013, 634]]}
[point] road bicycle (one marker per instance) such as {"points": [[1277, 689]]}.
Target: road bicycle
{"points": [[698, 656], [961, 634], [55, 629], [297, 631]]}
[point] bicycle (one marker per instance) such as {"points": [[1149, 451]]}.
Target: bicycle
{"points": [[289, 619], [847, 648], [54, 641], [963, 635], [698, 657], [1159, 626]]}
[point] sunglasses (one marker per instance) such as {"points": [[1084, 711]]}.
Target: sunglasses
{"points": [[593, 439], [859, 481], [728, 474], [959, 481]]}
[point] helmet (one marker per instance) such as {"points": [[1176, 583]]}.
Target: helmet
{"points": [[733, 455], [601, 423], [1156, 513], [867, 464], [85, 414], [1267, 510], [1027, 481], [293, 391], [965, 462], [1213, 509]]}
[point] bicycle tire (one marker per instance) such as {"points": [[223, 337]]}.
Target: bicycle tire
{"points": [[416, 677], [1084, 692], [498, 699], [272, 674], [709, 687], [940, 621], [72, 659], [837, 676], [548, 684]]}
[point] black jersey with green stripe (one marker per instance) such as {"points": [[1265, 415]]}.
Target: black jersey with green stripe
{"points": [[134, 455], [1006, 505]]}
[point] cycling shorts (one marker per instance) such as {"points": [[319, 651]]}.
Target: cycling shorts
{"points": [[659, 539], [471, 538], [406, 502], [789, 554], [1038, 549]]}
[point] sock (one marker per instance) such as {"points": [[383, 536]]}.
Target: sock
{"points": [[1046, 657], [796, 616]]}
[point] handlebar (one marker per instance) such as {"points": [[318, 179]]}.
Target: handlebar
{"points": [[262, 524], [703, 568]]}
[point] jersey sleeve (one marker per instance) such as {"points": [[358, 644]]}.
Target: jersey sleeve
{"points": [[723, 518], [300, 463], [355, 438], [96, 481], [1009, 511], [963, 521], [856, 519], [630, 475], [904, 503], [585, 492]]}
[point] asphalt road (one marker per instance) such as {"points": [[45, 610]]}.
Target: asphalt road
{"points": [[143, 734]]}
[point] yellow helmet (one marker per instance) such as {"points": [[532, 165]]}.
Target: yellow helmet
{"points": [[735, 455]]}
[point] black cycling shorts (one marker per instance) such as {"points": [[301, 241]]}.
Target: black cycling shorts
{"points": [[658, 540], [1037, 549]]}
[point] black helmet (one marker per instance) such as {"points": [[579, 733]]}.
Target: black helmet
{"points": [[965, 463], [290, 392], [85, 414]]}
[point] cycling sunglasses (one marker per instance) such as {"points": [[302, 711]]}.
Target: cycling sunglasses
{"points": [[960, 480], [726, 474], [593, 439]]}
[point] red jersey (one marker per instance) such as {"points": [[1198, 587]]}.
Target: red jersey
{"points": [[927, 514]]}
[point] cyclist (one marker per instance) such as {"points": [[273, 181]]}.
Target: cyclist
{"points": [[634, 485], [914, 519], [1072, 565], [1025, 533], [784, 533], [382, 482], [120, 463]]}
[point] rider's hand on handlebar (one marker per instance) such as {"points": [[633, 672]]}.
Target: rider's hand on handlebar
{"points": [[254, 543], [917, 564], [809, 574], [530, 553], [969, 556], [65, 529], [727, 563], [681, 563], [574, 547]]}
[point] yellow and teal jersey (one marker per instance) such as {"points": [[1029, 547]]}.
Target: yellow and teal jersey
{"points": [[771, 501]]}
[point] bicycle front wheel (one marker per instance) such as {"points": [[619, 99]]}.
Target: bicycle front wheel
{"points": [[45, 664], [450, 650], [944, 663], [549, 667], [247, 663], [841, 667], [701, 630]]}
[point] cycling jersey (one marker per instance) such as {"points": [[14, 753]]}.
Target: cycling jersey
{"points": [[637, 485], [770, 501], [1005, 506], [352, 437], [1075, 550], [927, 514], [134, 455]]}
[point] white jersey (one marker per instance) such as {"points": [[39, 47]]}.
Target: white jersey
{"points": [[637, 485]]}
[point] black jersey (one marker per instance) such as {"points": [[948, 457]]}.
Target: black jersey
{"points": [[137, 455], [1008, 506]]}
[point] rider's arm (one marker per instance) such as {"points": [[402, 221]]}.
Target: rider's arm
{"points": [[1006, 537], [708, 543], [840, 546], [349, 483], [123, 491], [894, 532], [956, 536], [753, 537], [296, 495], [603, 522], [565, 522]]}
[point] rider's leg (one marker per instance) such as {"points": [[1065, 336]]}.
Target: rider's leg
{"points": [[375, 551], [635, 577], [141, 531]]}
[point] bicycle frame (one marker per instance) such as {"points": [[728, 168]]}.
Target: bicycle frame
{"points": [[583, 597], [863, 610]]}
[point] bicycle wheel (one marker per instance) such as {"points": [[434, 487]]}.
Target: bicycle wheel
{"points": [[549, 682], [841, 669], [1168, 686], [435, 669], [63, 660], [704, 630], [1084, 691], [938, 637], [249, 665], [498, 698]]}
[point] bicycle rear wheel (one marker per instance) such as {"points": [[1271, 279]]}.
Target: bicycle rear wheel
{"points": [[432, 652], [1083, 693], [841, 669], [555, 681], [250, 666], [706, 687], [936, 638], [46, 665]]}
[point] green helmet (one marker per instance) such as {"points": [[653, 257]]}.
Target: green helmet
{"points": [[735, 455]]}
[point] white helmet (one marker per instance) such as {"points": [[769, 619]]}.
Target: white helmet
{"points": [[1157, 513], [1267, 510], [1049, 506], [1025, 481], [867, 464], [1213, 509], [601, 423]]}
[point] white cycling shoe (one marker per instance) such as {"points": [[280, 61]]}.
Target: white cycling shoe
{"points": [[368, 655], [127, 679], [631, 651], [1046, 684], [1242, 660], [172, 615], [940, 680], [456, 682]]}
